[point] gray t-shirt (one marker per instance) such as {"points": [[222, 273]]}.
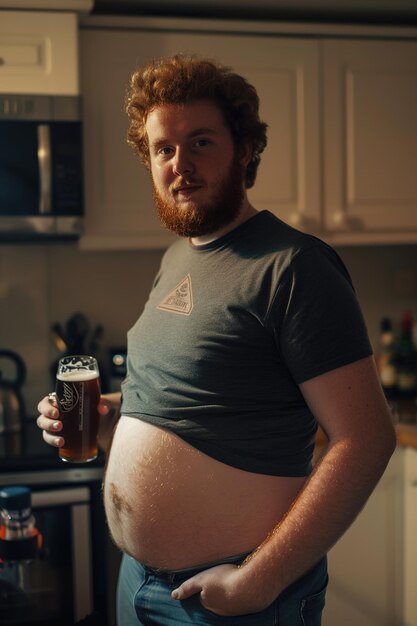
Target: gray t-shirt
{"points": [[230, 330]]}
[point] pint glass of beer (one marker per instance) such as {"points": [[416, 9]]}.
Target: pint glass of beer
{"points": [[78, 395]]}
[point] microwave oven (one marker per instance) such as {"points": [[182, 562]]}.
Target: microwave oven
{"points": [[41, 167]]}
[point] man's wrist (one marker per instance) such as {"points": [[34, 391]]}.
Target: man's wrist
{"points": [[260, 580]]}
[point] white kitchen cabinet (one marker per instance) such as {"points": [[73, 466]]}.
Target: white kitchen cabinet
{"points": [[120, 211], [410, 537], [370, 140], [118, 194], [38, 53], [365, 566], [341, 159]]}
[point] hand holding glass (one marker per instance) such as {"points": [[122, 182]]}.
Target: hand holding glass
{"points": [[78, 396]]}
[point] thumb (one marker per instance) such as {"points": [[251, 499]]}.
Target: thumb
{"points": [[104, 406], [187, 589]]}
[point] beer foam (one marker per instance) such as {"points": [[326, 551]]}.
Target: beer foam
{"points": [[78, 376]]}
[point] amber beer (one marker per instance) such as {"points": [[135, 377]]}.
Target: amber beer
{"points": [[78, 395]]}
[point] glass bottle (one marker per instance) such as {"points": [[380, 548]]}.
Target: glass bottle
{"points": [[385, 359], [405, 359], [16, 512], [18, 541]]}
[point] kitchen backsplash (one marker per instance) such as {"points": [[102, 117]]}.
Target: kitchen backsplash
{"points": [[40, 285]]}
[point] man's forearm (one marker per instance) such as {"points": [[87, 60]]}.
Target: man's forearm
{"points": [[331, 499], [349, 405]]}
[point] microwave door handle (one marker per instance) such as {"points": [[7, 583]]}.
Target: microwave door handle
{"points": [[44, 164]]}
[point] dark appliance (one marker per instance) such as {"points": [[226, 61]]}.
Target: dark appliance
{"points": [[12, 410], [117, 367], [68, 580], [41, 168]]}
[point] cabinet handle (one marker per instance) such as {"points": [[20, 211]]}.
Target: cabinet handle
{"points": [[44, 165], [349, 222], [298, 220]]}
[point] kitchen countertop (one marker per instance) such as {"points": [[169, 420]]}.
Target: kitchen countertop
{"points": [[407, 435], [27, 451]]}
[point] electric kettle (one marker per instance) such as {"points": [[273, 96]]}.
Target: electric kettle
{"points": [[11, 401]]}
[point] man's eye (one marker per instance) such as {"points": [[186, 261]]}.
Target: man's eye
{"points": [[166, 150], [202, 142]]}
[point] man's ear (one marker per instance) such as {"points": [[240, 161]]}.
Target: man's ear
{"points": [[245, 154]]}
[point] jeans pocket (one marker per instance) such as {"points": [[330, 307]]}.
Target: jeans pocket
{"points": [[266, 617], [311, 608]]}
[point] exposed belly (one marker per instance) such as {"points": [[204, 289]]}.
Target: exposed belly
{"points": [[171, 506]]}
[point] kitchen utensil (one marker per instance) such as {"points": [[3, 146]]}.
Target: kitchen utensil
{"points": [[12, 410], [59, 337], [77, 329], [95, 339], [78, 336]]}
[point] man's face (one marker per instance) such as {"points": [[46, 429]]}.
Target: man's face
{"points": [[198, 179]]}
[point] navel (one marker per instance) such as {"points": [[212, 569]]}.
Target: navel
{"points": [[119, 503]]}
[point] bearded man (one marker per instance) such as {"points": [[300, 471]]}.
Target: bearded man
{"points": [[252, 336]]}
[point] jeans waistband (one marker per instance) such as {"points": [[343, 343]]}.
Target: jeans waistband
{"points": [[175, 576]]}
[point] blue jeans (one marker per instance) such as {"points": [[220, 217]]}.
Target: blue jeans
{"points": [[144, 599]]}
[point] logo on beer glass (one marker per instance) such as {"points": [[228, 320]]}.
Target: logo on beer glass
{"points": [[70, 397]]}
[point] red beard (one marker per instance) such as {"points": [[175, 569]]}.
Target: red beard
{"points": [[198, 219]]}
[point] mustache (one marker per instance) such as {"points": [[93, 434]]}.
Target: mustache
{"points": [[183, 184]]}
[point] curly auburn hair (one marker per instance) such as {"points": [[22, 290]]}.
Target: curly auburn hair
{"points": [[183, 78]]}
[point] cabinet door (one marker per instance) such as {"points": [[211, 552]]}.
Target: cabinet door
{"points": [[119, 206], [410, 537], [370, 136], [119, 202], [365, 566], [285, 75], [38, 53]]}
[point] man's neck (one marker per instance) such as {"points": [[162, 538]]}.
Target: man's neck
{"points": [[247, 211]]}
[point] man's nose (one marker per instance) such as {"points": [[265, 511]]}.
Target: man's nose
{"points": [[182, 163]]}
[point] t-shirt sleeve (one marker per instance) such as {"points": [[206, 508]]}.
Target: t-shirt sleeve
{"points": [[317, 320]]}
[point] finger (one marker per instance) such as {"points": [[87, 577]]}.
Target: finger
{"points": [[48, 421], [189, 588], [52, 398], [50, 425], [45, 407], [52, 440], [104, 407], [50, 429]]}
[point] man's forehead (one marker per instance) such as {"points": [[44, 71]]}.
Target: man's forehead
{"points": [[197, 113]]}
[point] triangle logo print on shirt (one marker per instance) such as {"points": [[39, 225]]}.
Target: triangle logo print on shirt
{"points": [[180, 299]]}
